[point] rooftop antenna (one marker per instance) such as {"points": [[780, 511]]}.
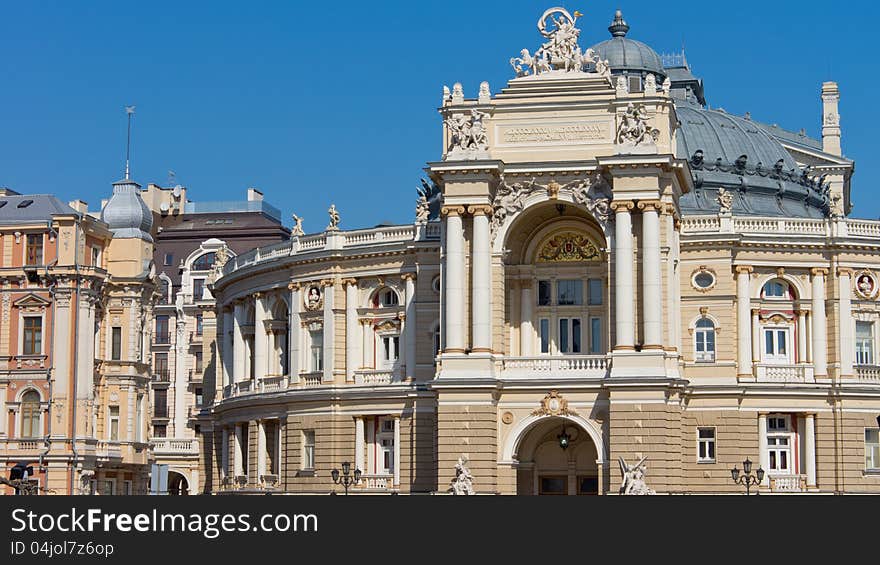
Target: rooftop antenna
{"points": [[129, 110]]}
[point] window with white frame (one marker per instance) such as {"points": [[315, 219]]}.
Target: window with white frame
{"points": [[317, 350], [384, 463], [872, 449], [544, 334], [390, 348], [569, 292], [779, 444], [706, 445], [113, 423], [777, 348], [865, 343], [308, 454], [569, 335], [776, 289], [32, 335], [704, 341], [387, 298]]}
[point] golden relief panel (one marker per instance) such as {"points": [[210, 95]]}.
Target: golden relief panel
{"points": [[569, 247]]}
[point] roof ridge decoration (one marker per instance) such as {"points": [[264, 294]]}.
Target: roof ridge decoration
{"points": [[561, 52]]}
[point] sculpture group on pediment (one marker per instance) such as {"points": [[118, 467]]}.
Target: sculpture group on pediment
{"points": [[467, 136], [634, 134], [561, 51]]}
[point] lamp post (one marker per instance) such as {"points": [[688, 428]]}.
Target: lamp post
{"points": [[348, 478], [747, 478]]}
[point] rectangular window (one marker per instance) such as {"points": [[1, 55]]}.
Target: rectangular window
{"points": [[161, 367], [706, 445], [33, 335], [244, 439], [544, 298], [160, 430], [390, 348], [569, 335], [139, 419], [595, 290], [872, 448], [162, 335], [198, 393], [563, 335], [865, 343], [116, 346], [308, 454], [113, 423], [198, 361], [34, 253], [635, 83], [96, 256], [569, 292], [544, 326], [776, 345], [199, 324], [198, 289], [317, 351], [169, 259], [779, 442], [128, 488], [595, 336], [160, 403]]}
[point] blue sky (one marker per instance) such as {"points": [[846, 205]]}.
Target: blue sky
{"points": [[318, 102]]}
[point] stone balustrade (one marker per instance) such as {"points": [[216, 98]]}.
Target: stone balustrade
{"points": [[772, 373], [557, 366], [788, 483]]}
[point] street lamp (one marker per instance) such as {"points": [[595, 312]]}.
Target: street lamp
{"points": [[348, 478], [564, 439], [747, 478]]}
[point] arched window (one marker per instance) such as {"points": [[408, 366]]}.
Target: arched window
{"points": [[776, 288], [204, 262], [704, 341], [165, 291], [30, 414], [386, 298]]}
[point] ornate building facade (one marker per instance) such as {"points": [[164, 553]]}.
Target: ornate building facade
{"points": [[601, 270]]}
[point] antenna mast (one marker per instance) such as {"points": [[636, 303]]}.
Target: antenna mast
{"points": [[129, 110]]}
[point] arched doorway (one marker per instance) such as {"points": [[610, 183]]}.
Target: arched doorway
{"points": [[545, 467], [177, 484]]}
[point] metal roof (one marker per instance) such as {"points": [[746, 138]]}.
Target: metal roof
{"points": [[41, 209]]}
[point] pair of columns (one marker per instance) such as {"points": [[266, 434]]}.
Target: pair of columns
{"points": [[481, 280], [748, 336], [360, 459], [624, 276], [809, 447]]}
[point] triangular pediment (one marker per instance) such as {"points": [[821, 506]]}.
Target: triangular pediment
{"points": [[31, 300]]}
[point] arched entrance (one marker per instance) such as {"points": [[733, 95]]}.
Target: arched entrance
{"points": [[557, 456], [177, 484]]}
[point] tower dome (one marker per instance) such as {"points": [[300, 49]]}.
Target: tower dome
{"points": [[126, 213], [624, 54]]}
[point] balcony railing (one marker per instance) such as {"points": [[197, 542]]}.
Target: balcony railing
{"points": [[868, 373], [311, 379], [174, 446], [771, 373], [377, 481], [160, 412], [162, 376], [573, 366], [788, 483], [162, 339], [375, 376]]}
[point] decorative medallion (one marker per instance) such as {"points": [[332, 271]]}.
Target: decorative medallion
{"points": [[568, 247], [554, 405], [703, 279], [507, 417], [313, 298], [866, 285], [553, 189]]}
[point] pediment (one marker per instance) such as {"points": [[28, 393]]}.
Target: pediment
{"points": [[31, 300]]}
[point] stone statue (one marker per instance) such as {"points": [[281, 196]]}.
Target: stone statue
{"points": [[221, 257], [560, 51], [633, 481], [650, 84], [724, 200], [463, 483], [334, 218], [297, 229], [423, 209], [667, 86], [524, 64], [467, 133], [634, 135], [835, 206]]}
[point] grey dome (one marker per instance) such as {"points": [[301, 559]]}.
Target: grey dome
{"points": [[127, 214], [736, 154], [624, 54]]}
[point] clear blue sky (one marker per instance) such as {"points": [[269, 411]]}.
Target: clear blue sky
{"points": [[320, 102]]}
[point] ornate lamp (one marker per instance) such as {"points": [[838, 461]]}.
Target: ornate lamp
{"points": [[747, 479], [346, 478], [564, 439]]}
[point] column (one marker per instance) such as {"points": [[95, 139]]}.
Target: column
{"points": [[261, 338], [238, 355], [847, 336], [228, 345], [454, 280], [652, 307], [294, 332], [481, 263], [397, 450], [239, 454], [526, 327], [743, 321], [810, 455], [820, 349], [409, 325], [351, 328], [359, 458], [756, 335], [224, 453], [802, 336], [762, 446], [623, 275], [261, 449], [368, 347], [329, 330]]}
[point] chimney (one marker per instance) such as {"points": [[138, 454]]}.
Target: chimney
{"points": [[831, 119], [254, 195], [80, 206], [4, 191]]}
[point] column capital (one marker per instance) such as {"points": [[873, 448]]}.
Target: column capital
{"points": [[327, 282], [844, 272], [756, 311], [294, 286], [257, 295], [817, 271], [366, 321], [408, 276], [621, 205], [349, 282], [669, 208], [744, 269], [452, 211], [647, 205], [480, 210]]}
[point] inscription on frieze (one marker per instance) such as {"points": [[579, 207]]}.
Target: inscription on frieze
{"points": [[570, 133]]}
